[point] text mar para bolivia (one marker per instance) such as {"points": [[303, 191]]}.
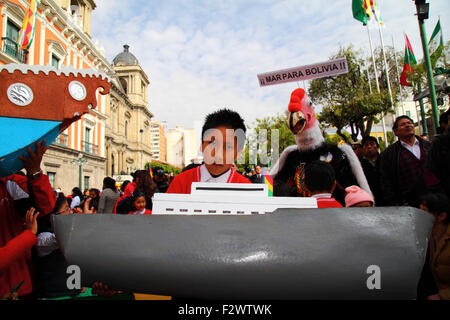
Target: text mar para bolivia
{"points": [[299, 73]]}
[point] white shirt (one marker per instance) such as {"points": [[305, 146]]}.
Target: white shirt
{"points": [[139, 212], [414, 149], [75, 202], [321, 195], [205, 176]]}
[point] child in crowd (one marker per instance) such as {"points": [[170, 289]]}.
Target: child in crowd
{"points": [[223, 138], [357, 197], [139, 203], [320, 183]]}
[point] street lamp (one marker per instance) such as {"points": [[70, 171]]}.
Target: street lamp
{"points": [[142, 148], [422, 14], [79, 162]]}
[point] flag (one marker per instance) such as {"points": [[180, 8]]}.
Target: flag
{"points": [[436, 47], [361, 10], [267, 179], [150, 171], [409, 61], [375, 12], [28, 26]]}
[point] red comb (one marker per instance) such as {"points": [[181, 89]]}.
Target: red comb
{"points": [[296, 98]]}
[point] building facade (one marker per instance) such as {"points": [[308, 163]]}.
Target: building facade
{"points": [[128, 125], [62, 38], [114, 137], [182, 146], [158, 141]]}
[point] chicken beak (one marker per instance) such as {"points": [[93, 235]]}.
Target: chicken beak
{"points": [[296, 121]]}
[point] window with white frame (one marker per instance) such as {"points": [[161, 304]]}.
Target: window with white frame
{"points": [[57, 53]]}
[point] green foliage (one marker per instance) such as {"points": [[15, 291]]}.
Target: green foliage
{"points": [[390, 138], [346, 99], [166, 168], [336, 139], [264, 143]]}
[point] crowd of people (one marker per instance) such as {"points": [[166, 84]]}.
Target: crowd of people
{"points": [[410, 172]]}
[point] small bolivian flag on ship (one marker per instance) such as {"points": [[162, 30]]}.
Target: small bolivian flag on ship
{"points": [[150, 171], [268, 180], [28, 26]]}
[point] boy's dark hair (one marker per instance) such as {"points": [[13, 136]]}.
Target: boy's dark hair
{"points": [[436, 203], [110, 183], [137, 194], [145, 183], [369, 138], [319, 176], [96, 191], [77, 192], [227, 118], [395, 126], [124, 185]]}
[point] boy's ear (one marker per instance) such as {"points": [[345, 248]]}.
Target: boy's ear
{"points": [[333, 187]]}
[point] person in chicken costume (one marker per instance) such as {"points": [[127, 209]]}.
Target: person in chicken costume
{"points": [[288, 172]]}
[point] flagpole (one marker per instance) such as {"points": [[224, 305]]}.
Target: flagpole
{"points": [[398, 78], [368, 77], [378, 85], [386, 66], [421, 131]]}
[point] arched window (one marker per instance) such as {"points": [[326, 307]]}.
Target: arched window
{"points": [[126, 129]]}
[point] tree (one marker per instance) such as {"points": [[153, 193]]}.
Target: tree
{"points": [[165, 167], [347, 100], [260, 139]]}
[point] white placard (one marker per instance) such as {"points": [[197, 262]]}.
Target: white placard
{"points": [[313, 71]]}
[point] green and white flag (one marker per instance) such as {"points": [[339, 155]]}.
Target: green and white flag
{"points": [[436, 46]]}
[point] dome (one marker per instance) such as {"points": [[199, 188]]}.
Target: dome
{"points": [[125, 57]]}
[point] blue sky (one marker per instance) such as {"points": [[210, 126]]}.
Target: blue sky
{"points": [[204, 55]]}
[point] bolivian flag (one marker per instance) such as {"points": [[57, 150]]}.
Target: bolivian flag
{"points": [[28, 26], [362, 10], [269, 181], [409, 62]]}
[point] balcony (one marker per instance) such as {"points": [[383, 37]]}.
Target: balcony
{"points": [[89, 147], [11, 48], [61, 140]]}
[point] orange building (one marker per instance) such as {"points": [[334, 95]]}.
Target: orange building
{"points": [[62, 38]]}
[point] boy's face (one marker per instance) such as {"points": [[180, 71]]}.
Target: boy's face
{"points": [[220, 149]]}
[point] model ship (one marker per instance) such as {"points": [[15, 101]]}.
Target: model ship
{"points": [[288, 250], [38, 103]]}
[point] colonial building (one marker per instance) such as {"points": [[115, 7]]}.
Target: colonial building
{"points": [[158, 141], [115, 136], [62, 38], [128, 125]]}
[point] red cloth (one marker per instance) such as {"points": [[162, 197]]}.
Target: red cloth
{"points": [[129, 189], [16, 248], [11, 226], [126, 193], [328, 202], [182, 182], [147, 211]]}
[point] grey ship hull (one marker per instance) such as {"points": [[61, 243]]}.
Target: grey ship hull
{"points": [[289, 254]]}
